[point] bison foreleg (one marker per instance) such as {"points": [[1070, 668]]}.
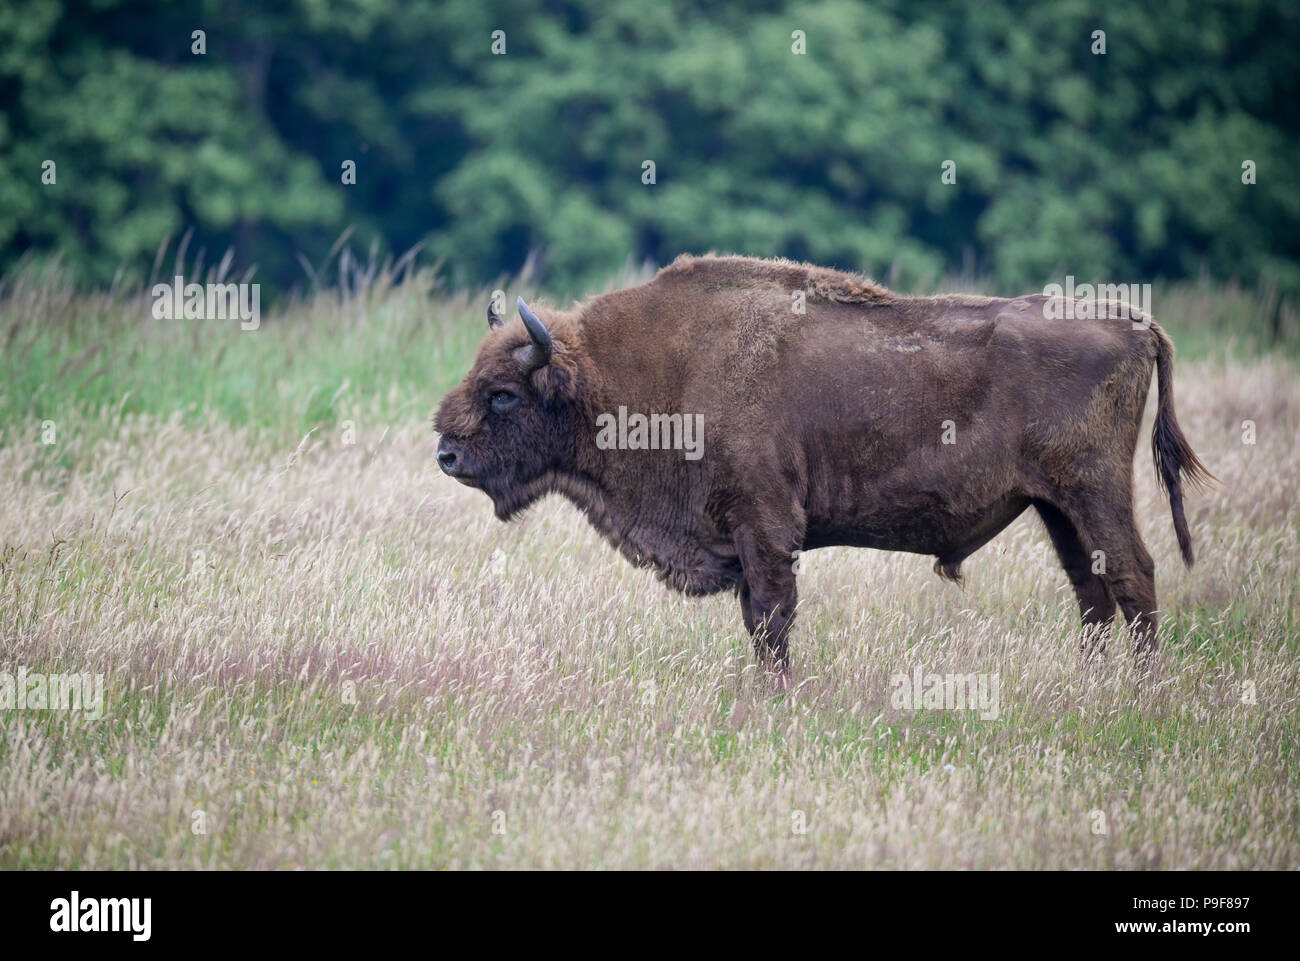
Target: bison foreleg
{"points": [[767, 600]]}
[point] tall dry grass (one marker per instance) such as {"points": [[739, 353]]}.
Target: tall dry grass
{"points": [[325, 654]]}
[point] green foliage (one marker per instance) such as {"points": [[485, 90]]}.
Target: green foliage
{"points": [[1125, 166]]}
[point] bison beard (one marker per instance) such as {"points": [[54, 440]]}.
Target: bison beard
{"points": [[837, 413]]}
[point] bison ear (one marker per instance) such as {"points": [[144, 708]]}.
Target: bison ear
{"points": [[557, 381], [494, 316], [540, 353]]}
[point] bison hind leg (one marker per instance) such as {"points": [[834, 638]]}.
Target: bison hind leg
{"points": [[1096, 603], [949, 568]]}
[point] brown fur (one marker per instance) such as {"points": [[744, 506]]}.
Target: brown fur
{"points": [[824, 428]]}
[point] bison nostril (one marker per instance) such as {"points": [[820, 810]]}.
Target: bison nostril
{"points": [[446, 460]]}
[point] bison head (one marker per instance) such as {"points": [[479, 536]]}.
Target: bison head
{"points": [[509, 428]]}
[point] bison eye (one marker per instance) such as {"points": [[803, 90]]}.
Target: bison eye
{"points": [[503, 402]]}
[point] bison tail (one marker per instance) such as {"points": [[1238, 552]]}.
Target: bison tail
{"points": [[1174, 458]]}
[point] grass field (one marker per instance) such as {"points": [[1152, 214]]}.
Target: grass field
{"points": [[318, 652]]}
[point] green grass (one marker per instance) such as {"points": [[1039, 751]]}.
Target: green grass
{"points": [[310, 367]]}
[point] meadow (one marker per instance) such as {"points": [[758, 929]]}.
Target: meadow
{"points": [[318, 652]]}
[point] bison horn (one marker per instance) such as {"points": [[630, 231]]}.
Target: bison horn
{"points": [[494, 318], [540, 353]]}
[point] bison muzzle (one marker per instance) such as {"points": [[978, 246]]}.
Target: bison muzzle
{"points": [[835, 412]]}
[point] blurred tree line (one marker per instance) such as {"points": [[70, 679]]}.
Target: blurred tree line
{"points": [[1122, 166]]}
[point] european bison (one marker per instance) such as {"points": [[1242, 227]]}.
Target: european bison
{"points": [[834, 412]]}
